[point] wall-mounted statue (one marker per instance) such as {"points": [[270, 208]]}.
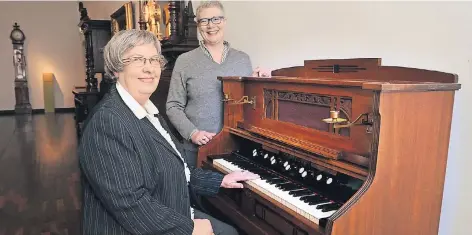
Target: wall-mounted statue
{"points": [[153, 17], [166, 21]]}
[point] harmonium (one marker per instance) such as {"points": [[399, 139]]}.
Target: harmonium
{"points": [[342, 146]]}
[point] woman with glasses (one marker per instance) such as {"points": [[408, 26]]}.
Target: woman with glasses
{"points": [[135, 177], [194, 104]]}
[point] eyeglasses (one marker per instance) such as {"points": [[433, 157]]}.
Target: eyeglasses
{"points": [[141, 61], [214, 20]]}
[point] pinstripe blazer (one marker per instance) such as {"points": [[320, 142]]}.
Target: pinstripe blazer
{"points": [[133, 180]]}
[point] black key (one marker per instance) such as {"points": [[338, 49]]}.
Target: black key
{"points": [[290, 186], [276, 181], [277, 185], [330, 207], [321, 207], [301, 192], [260, 171], [268, 177], [308, 198], [318, 201]]}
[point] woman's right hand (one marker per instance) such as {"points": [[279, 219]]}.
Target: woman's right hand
{"points": [[202, 227], [202, 137]]}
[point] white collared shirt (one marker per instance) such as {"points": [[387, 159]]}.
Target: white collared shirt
{"points": [[149, 111]]}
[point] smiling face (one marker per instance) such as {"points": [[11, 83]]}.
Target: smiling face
{"points": [[211, 25], [141, 72]]}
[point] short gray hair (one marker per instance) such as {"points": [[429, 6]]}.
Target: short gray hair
{"points": [[123, 41], [209, 4]]}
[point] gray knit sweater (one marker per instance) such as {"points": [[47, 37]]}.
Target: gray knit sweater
{"points": [[195, 94]]}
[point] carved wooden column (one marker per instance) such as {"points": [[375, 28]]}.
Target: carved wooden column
{"points": [[84, 25], [190, 24], [142, 23], [22, 105], [91, 80], [174, 9]]}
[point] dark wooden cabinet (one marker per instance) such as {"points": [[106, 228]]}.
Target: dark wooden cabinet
{"points": [[84, 101], [100, 35], [96, 34]]}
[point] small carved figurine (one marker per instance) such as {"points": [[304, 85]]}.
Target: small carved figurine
{"points": [[153, 17]]}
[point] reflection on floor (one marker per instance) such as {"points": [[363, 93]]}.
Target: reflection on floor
{"points": [[39, 176]]}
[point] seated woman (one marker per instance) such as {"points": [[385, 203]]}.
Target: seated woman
{"points": [[135, 178]]}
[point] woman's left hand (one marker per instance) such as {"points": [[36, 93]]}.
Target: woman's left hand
{"points": [[261, 72], [231, 179]]}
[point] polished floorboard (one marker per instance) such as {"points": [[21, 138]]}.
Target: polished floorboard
{"points": [[39, 176]]}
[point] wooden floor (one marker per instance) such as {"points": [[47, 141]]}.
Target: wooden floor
{"points": [[39, 176]]}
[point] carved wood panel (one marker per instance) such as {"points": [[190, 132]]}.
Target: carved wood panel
{"points": [[286, 106], [296, 112]]}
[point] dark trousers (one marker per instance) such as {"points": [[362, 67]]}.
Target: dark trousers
{"points": [[191, 158], [219, 228], [195, 199]]}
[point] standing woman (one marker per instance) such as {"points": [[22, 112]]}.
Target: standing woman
{"points": [[194, 104]]}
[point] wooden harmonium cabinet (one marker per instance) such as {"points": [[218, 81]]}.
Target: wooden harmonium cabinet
{"points": [[343, 146]]}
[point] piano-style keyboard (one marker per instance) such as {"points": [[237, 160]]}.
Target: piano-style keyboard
{"points": [[308, 200]]}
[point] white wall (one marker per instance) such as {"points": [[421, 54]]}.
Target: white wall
{"points": [[101, 10], [428, 35], [53, 44]]}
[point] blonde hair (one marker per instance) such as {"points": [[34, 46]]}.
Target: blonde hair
{"points": [[209, 4]]}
